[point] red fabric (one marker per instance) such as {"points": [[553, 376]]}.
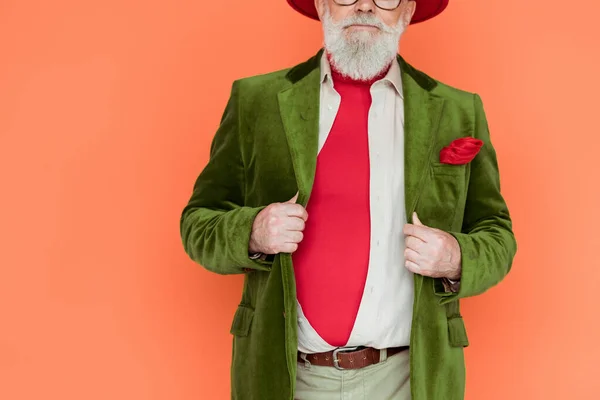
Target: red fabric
{"points": [[426, 9], [332, 260], [460, 151]]}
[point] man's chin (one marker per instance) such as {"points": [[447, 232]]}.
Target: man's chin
{"points": [[362, 37], [361, 43]]}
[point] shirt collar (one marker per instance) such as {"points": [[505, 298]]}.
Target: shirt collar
{"points": [[393, 76]]}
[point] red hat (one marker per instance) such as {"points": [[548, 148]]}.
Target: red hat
{"points": [[426, 9]]}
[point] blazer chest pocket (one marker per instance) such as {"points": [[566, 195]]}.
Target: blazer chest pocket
{"points": [[242, 320], [441, 194]]}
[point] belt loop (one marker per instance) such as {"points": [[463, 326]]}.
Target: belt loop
{"points": [[382, 355], [306, 362]]}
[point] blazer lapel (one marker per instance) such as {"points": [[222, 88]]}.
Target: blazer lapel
{"points": [[422, 113], [299, 109]]}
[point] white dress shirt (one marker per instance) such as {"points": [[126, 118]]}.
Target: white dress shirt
{"points": [[385, 313]]}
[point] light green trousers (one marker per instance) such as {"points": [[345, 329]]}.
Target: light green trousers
{"points": [[387, 380]]}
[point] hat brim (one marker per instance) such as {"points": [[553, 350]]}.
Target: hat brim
{"points": [[426, 9]]}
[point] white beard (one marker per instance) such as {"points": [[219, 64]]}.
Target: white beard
{"points": [[360, 55]]}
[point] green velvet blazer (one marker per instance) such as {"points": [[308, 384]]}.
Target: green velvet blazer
{"points": [[265, 150]]}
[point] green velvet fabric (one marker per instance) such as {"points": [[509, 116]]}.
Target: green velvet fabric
{"points": [[264, 151]]}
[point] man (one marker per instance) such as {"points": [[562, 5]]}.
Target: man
{"points": [[314, 173]]}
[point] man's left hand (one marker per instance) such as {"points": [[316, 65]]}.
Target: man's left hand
{"points": [[431, 252]]}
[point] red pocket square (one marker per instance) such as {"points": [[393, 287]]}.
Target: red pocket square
{"points": [[460, 151]]}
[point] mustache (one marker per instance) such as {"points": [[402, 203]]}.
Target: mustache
{"points": [[364, 19]]}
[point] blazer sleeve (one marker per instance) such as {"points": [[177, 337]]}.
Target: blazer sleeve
{"points": [[486, 240], [215, 226]]}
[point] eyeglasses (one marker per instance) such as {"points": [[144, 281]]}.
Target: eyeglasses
{"points": [[387, 5]]}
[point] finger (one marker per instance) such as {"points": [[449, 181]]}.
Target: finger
{"points": [[289, 247], [416, 219], [414, 243], [420, 231], [412, 256], [294, 224], [294, 237], [295, 210], [293, 199], [412, 267]]}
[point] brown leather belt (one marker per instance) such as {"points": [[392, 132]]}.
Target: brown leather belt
{"points": [[349, 358]]}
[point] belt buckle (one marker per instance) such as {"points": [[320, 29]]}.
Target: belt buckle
{"points": [[336, 363]]}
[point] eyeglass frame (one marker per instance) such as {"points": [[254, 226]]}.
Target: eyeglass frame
{"points": [[374, 2]]}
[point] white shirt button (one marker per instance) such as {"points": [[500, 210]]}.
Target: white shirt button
{"points": [[330, 107]]}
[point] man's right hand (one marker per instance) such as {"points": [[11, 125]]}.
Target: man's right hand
{"points": [[278, 228]]}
